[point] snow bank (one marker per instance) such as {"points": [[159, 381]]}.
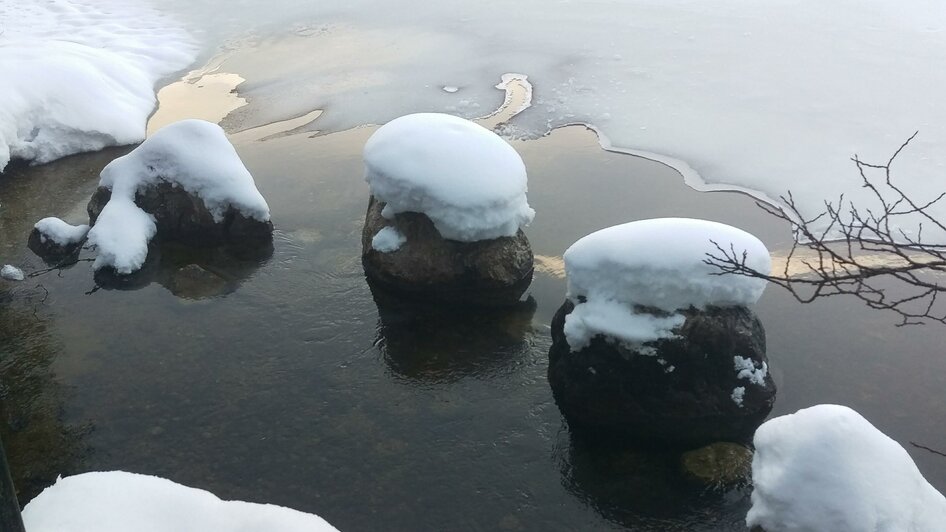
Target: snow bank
{"points": [[828, 468], [655, 263], [60, 232], [192, 154], [117, 501], [79, 75], [471, 183]]}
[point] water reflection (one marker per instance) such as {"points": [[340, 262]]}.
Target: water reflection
{"points": [[442, 343], [648, 490], [39, 445], [191, 272]]}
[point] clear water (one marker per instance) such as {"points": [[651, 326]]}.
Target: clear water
{"points": [[299, 388]]}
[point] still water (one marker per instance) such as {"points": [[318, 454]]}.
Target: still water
{"points": [[294, 384]]}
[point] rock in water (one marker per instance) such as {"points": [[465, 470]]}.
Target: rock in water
{"points": [[487, 272], [719, 464], [676, 391]]}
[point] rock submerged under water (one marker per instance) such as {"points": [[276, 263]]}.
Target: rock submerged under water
{"points": [[489, 272], [671, 392]]}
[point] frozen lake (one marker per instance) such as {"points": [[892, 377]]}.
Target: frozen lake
{"points": [[293, 384]]}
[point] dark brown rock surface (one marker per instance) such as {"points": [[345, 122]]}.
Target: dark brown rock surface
{"points": [[489, 272], [182, 217]]}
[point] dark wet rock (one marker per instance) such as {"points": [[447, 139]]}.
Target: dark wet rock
{"points": [[681, 396], [490, 272], [182, 217], [51, 251], [195, 282], [719, 464]]}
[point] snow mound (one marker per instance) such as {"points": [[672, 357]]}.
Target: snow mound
{"points": [[11, 273], [79, 75], [658, 264], [470, 182], [60, 232], [192, 154], [828, 468], [117, 501]]}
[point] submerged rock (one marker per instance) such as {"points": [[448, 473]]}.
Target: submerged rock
{"points": [[708, 383], [195, 282], [719, 464], [487, 272]]}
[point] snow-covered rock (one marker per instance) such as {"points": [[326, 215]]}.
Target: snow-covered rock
{"points": [[653, 347], [79, 75], [425, 265], [117, 501], [657, 264], [11, 273], [470, 182], [827, 468], [186, 182], [53, 239]]}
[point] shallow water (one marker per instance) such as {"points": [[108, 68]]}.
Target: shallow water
{"points": [[297, 386]]}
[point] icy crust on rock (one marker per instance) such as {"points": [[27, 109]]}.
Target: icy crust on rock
{"points": [[79, 75], [470, 182], [387, 240], [192, 154], [828, 468], [655, 263], [117, 501], [60, 232]]}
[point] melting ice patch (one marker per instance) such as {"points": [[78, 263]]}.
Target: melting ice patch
{"points": [[769, 95], [79, 75]]}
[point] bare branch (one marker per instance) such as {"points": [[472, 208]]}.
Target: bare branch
{"points": [[861, 252]]}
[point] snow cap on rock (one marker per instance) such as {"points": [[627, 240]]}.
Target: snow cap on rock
{"points": [[828, 468], [656, 263], [470, 182]]}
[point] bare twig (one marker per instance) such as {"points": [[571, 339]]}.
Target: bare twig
{"points": [[839, 240]]}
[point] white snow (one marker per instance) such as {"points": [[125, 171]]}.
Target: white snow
{"points": [[654, 263], [764, 94], [614, 320], [828, 468], [192, 154], [388, 239], [470, 182], [60, 232], [117, 501], [11, 273], [737, 395], [121, 235], [79, 75], [745, 369]]}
